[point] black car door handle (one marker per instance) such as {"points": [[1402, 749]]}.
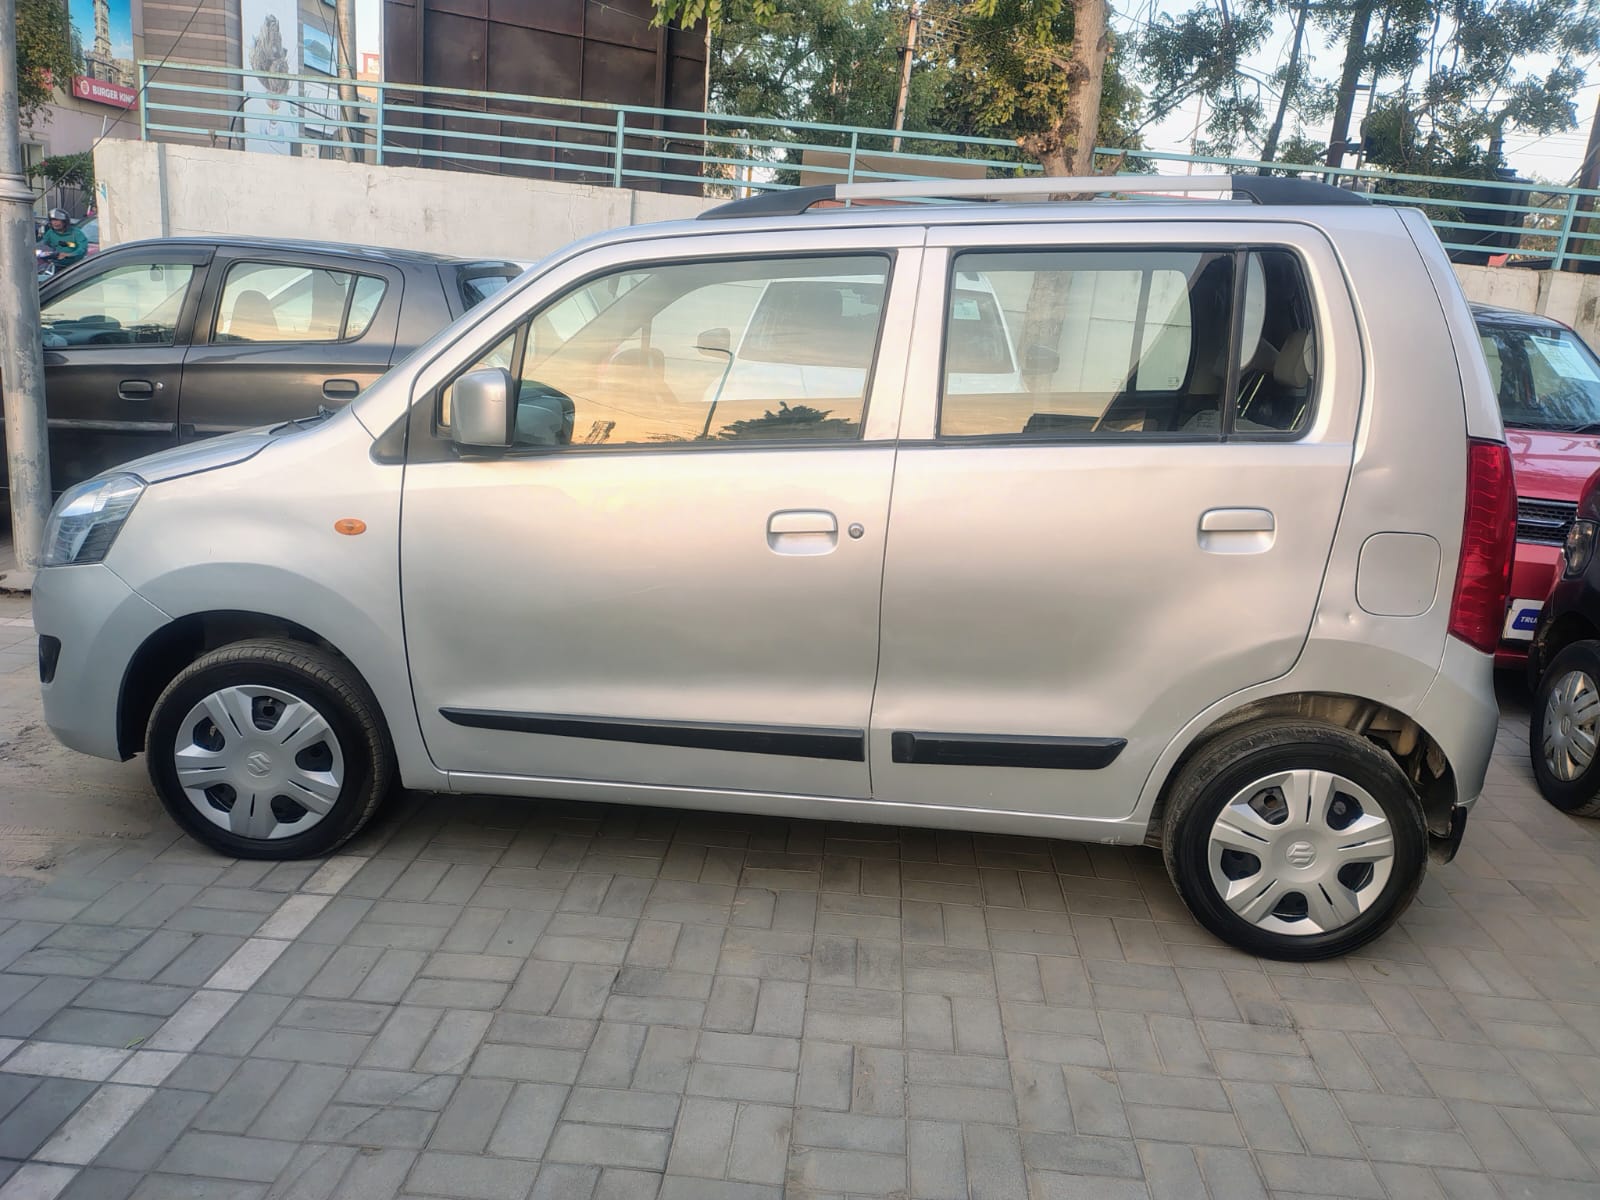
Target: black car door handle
{"points": [[136, 389], [340, 389]]}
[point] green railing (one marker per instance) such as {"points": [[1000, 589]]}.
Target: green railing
{"points": [[718, 154]]}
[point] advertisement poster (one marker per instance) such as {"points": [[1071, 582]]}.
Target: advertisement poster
{"points": [[102, 45], [270, 33]]}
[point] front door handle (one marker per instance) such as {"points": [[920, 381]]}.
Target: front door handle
{"points": [[340, 389], [802, 531], [136, 389], [1237, 530]]}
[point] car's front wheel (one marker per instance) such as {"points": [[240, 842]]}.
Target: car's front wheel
{"points": [[269, 749], [1294, 840], [1564, 732]]}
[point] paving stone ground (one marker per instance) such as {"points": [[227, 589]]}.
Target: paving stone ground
{"points": [[495, 1000]]}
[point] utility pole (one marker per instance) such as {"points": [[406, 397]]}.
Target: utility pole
{"points": [[344, 24], [907, 53], [21, 357]]}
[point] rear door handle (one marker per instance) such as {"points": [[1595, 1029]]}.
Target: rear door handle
{"points": [[802, 531], [1237, 530], [136, 389], [340, 389]]}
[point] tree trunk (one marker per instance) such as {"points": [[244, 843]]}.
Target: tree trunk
{"points": [[1079, 126], [1067, 149], [1291, 80], [1354, 52]]}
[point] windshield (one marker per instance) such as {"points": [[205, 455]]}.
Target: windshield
{"points": [[1545, 378]]}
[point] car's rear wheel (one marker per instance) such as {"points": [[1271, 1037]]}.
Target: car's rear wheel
{"points": [[1564, 732], [269, 749], [1294, 840]]}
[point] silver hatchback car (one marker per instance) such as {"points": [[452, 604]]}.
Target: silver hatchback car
{"points": [[1184, 524]]}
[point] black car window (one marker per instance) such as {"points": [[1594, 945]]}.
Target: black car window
{"points": [[288, 302], [137, 304]]}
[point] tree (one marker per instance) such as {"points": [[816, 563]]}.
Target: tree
{"points": [[1016, 67], [827, 61], [1202, 53], [1473, 86], [44, 53]]}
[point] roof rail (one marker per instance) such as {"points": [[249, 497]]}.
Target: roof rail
{"points": [[1259, 189]]}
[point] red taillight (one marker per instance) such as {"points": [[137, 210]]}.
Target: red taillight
{"points": [[1483, 578]]}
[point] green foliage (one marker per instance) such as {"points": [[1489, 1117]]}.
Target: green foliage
{"points": [[834, 62], [45, 54], [1003, 62], [1471, 86], [1202, 52], [714, 12], [66, 170]]}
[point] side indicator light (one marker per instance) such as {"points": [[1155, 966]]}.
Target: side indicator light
{"points": [[350, 526]]}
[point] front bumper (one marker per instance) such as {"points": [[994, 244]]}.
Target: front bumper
{"points": [[100, 623]]}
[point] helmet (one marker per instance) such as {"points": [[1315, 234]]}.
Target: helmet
{"points": [[59, 214]]}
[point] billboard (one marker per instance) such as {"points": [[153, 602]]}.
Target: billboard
{"points": [[102, 46], [269, 33]]}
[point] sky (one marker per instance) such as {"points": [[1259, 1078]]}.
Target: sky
{"points": [[1553, 157]]}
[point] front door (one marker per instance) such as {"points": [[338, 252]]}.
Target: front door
{"points": [[672, 578], [115, 334], [282, 334], [1117, 521]]}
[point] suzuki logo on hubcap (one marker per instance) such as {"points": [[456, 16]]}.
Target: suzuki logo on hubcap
{"points": [[1301, 854], [258, 764]]}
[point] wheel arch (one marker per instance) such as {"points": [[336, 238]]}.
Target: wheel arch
{"points": [[1552, 639], [175, 645], [1420, 757]]}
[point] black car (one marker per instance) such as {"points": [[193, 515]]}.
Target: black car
{"points": [[1564, 733], [155, 343]]}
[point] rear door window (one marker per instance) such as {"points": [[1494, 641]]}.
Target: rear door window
{"points": [[291, 303], [1137, 342]]}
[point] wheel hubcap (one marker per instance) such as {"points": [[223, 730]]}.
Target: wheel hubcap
{"points": [[259, 762], [1571, 714], [1301, 852]]}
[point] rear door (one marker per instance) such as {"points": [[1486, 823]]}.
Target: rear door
{"points": [[115, 333], [280, 334], [1085, 555]]}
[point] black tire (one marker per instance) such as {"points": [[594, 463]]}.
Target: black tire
{"points": [[308, 674], [1579, 796], [1229, 765]]}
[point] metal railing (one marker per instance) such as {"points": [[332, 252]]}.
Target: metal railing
{"points": [[719, 154]]}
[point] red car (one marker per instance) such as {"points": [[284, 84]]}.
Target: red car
{"points": [[1548, 381]]}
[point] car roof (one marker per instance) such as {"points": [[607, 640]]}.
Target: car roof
{"points": [[1494, 314], [305, 246]]}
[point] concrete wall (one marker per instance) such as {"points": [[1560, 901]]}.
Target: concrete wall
{"points": [[153, 189], [1573, 299]]}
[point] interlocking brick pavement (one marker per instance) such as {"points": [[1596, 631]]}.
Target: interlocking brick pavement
{"points": [[492, 1000]]}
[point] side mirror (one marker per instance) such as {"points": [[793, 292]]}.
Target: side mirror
{"points": [[714, 341], [482, 415]]}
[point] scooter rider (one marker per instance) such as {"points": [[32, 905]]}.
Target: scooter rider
{"points": [[67, 243]]}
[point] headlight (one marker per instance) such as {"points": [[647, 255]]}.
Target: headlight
{"points": [[87, 519], [1579, 548]]}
